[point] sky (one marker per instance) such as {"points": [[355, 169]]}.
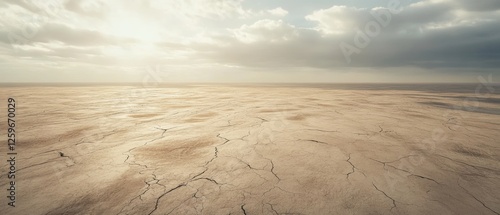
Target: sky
{"points": [[152, 41]]}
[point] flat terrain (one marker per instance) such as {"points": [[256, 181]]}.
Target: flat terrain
{"points": [[252, 150]]}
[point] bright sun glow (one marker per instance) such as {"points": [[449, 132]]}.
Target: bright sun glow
{"points": [[144, 34], [128, 26]]}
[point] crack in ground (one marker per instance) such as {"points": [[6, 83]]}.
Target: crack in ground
{"points": [[386, 162], [243, 209], [423, 177], [201, 173], [272, 208], [162, 136], [245, 136], [149, 184], [38, 164], [314, 141], [256, 169], [272, 170], [385, 194], [164, 130], [403, 170], [208, 179], [320, 130], [276, 186], [173, 209], [382, 130], [470, 165], [470, 194], [145, 167], [221, 137], [61, 154], [45, 152], [194, 178], [183, 185], [263, 120], [162, 195], [216, 153], [213, 158], [272, 165], [352, 165]]}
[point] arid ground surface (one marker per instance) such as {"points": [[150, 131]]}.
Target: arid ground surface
{"points": [[253, 150]]}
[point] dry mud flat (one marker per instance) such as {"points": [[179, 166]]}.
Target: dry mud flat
{"points": [[252, 150]]}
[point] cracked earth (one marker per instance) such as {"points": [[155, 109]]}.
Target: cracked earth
{"points": [[252, 150]]}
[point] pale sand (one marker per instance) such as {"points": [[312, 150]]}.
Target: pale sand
{"points": [[253, 150]]}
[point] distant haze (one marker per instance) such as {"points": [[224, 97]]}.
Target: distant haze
{"points": [[249, 41]]}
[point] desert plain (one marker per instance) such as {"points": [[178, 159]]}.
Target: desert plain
{"points": [[225, 149]]}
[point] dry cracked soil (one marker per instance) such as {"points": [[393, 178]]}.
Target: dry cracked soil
{"points": [[208, 149]]}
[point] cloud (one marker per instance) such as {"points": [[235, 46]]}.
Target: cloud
{"points": [[88, 8], [278, 12], [25, 4], [265, 30], [214, 34], [211, 9], [338, 19], [484, 5], [431, 34], [70, 36]]}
